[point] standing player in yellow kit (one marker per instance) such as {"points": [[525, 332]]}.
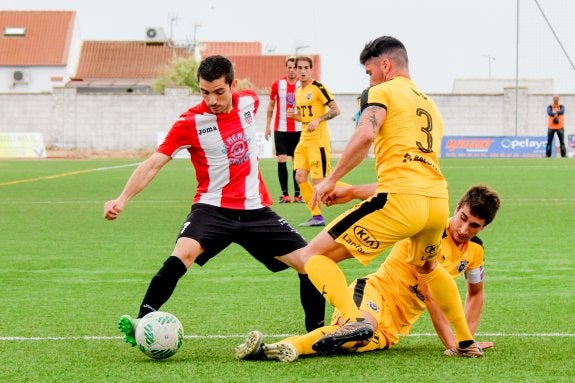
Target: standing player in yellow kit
{"points": [[315, 106], [411, 199]]}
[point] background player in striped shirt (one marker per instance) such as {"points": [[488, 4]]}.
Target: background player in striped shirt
{"points": [[232, 202], [287, 131], [394, 297], [315, 106]]}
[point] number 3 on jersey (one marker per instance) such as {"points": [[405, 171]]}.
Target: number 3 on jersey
{"points": [[428, 148]]}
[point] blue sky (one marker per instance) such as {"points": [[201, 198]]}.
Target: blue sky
{"points": [[445, 39]]}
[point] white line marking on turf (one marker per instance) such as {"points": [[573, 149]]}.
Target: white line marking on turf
{"points": [[118, 166], [66, 338]]}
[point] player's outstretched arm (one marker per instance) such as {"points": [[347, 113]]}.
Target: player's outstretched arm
{"points": [[474, 307], [359, 143], [140, 178], [440, 322], [345, 193]]}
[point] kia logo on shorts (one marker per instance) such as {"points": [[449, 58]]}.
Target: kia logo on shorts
{"points": [[365, 237]]}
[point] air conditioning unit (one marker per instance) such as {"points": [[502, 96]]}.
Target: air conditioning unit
{"points": [[155, 34], [20, 76]]}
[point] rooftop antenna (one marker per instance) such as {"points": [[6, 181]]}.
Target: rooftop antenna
{"points": [[489, 59], [196, 45], [173, 19]]}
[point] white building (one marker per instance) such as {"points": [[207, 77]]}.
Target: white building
{"points": [[38, 50]]}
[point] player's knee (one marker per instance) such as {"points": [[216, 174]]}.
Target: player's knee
{"points": [[300, 176], [294, 260], [367, 317], [187, 250]]}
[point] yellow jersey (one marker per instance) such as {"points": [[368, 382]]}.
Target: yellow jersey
{"points": [[396, 280], [311, 102], [408, 143]]}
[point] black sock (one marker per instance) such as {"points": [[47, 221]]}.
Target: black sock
{"points": [[162, 285], [313, 303], [466, 343], [295, 185], [283, 177]]}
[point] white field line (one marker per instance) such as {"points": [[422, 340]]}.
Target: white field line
{"points": [[117, 166], [520, 166], [68, 338]]}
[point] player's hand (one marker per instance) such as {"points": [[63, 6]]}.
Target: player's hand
{"points": [[313, 125], [112, 209], [486, 345], [268, 133], [340, 194], [321, 191], [483, 345]]}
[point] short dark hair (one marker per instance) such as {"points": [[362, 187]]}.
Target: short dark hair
{"points": [[213, 67], [483, 202], [290, 59], [384, 45]]}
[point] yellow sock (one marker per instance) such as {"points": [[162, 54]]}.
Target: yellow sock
{"points": [[303, 343], [445, 293], [377, 342], [306, 190], [328, 278]]}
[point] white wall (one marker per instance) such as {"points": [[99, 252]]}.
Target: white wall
{"points": [[495, 85], [36, 79], [42, 79], [68, 119]]}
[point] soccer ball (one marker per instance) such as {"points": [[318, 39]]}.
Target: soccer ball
{"points": [[159, 334]]}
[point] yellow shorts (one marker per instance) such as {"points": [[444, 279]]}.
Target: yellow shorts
{"points": [[372, 226], [314, 159]]}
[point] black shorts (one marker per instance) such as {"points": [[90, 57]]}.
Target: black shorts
{"points": [[286, 142], [262, 232]]}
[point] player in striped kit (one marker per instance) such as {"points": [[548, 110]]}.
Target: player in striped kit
{"points": [[286, 131], [232, 202]]}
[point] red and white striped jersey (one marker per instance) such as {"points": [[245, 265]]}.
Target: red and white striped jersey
{"points": [[223, 152], [283, 93]]}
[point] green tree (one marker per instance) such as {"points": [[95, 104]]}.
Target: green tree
{"points": [[183, 71], [180, 71]]}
